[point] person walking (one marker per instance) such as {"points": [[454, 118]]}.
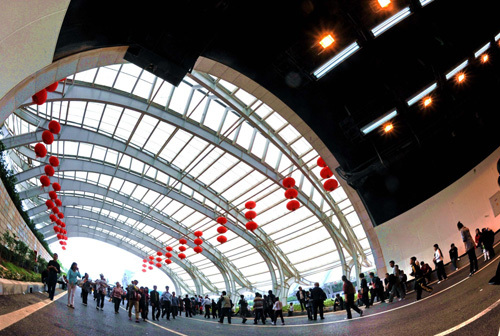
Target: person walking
{"points": [[155, 303], [301, 297], [226, 308], [258, 308], [187, 306], [484, 243], [377, 289], [318, 297], [72, 276], [142, 303], [214, 309], [309, 306], [416, 272], [438, 260], [54, 269], [470, 247], [166, 302], [174, 306], [269, 304], [207, 303], [395, 281], [278, 311], [101, 286], [86, 288], [349, 292], [133, 300], [243, 308], [454, 256], [364, 290], [116, 295]]}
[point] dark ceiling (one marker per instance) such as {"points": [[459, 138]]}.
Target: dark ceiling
{"points": [[275, 44]]}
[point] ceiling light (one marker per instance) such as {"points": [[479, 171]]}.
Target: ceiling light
{"points": [[326, 41], [485, 58], [390, 22], [427, 101], [422, 94], [461, 77], [481, 51], [378, 122], [388, 127], [425, 2], [457, 69], [384, 3], [336, 60]]}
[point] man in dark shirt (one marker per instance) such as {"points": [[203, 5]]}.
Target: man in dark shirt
{"points": [[54, 269], [364, 290], [339, 302], [318, 296], [187, 306], [243, 308], [377, 288], [454, 256], [301, 297], [270, 303], [349, 292], [426, 271], [155, 303]]}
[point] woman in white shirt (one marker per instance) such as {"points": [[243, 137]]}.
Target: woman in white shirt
{"points": [[278, 311], [438, 260]]}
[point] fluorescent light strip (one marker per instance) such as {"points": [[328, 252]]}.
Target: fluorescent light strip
{"points": [[425, 2], [336, 60], [393, 20], [422, 94], [376, 123], [482, 50], [457, 69], [497, 37]]}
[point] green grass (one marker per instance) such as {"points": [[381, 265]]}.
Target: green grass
{"points": [[18, 273]]}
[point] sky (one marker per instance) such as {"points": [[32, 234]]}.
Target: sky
{"points": [[95, 257]]}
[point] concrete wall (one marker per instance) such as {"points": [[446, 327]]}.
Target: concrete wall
{"points": [[414, 232], [11, 220]]}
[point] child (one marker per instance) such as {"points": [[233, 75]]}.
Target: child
{"points": [[290, 310], [278, 311]]}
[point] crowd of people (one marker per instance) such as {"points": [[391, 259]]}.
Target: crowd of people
{"points": [[168, 304]]}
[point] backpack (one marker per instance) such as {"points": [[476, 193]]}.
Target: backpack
{"points": [[132, 293]]}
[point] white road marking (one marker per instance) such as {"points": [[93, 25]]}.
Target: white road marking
{"points": [[472, 319], [159, 326], [9, 319]]}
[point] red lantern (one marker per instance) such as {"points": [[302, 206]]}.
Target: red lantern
{"points": [[144, 265], [150, 268], [158, 265], [144, 261], [288, 182], [55, 210], [325, 173], [330, 185], [47, 137], [144, 270], [54, 161], [251, 226], [159, 253], [222, 239], [151, 257], [52, 87], [222, 220], [59, 236], [40, 97], [54, 127], [198, 249], [44, 179], [56, 186], [198, 241], [321, 162], [58, 202], [198, 233], [58, 222], [168, 255], [291, 193], [63, 225], [53, 217], [293, 205], [52, 195], [64, 248], [250, 205], [168, 261], [169, 249], [56, 228], [40, 150], [222, 229], [49, 204], [62, 80], [49, 170], [182, 248], [60, 215], [250, 214], [151, 262], [158, 259], [181, 256], [182, 241]]}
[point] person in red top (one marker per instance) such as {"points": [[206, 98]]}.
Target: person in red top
{"points": [[349, 291], [116, 294]]}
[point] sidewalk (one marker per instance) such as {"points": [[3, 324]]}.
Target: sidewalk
{"points": [[9, 287]]}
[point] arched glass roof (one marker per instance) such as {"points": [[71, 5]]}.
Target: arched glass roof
{"points": [[145, 163]]}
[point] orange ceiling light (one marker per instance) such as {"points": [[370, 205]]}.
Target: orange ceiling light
{"points": [[388, 127], [327, 41], [460, 77], [427, 101], [384, 3], [485, 58]]}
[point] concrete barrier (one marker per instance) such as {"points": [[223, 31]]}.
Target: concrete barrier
{"points": [[8, 287]]}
